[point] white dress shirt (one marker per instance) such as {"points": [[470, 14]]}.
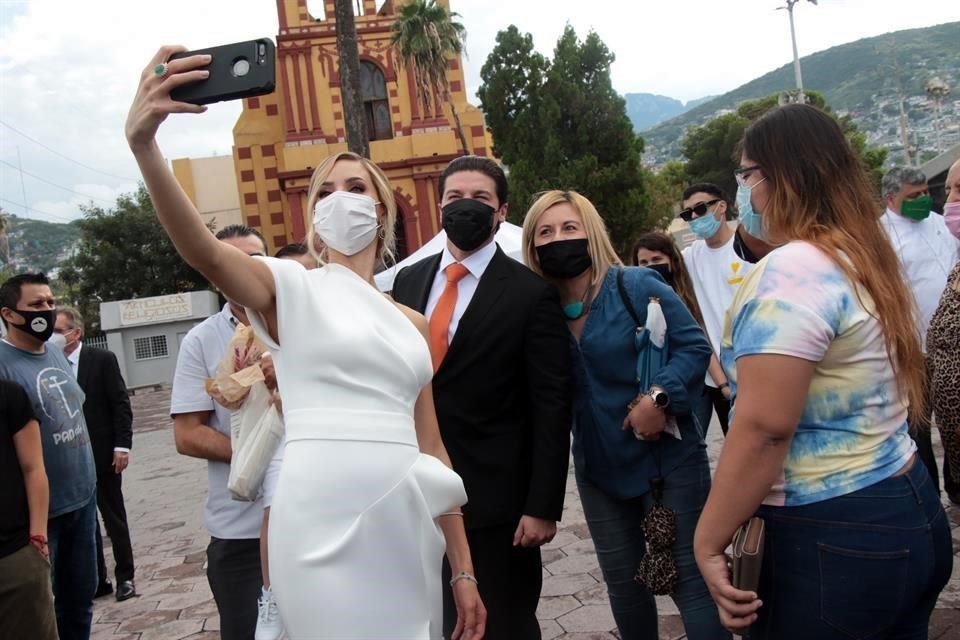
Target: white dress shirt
{"points": [[476, 264], [927, 253], [74, 359]]}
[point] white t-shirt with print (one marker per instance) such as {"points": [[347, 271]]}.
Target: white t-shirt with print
{"points": [[716, 274]]}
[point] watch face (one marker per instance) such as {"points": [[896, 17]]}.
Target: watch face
{"points": [[660, 398]]}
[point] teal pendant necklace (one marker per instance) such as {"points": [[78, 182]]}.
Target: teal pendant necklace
{"points": [[575, 310]]}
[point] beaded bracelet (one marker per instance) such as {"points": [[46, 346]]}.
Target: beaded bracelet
{"points": [[463, 575]]}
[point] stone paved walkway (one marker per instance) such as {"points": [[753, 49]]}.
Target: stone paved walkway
{"points": [[164, 496]]}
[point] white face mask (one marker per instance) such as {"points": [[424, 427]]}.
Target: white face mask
{"points": [[346, 222], [57, 340]]}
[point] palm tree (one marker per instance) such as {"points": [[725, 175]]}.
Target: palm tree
{"points": [[425, 35], [354, 117]]}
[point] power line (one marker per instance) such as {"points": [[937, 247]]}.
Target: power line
{"points": [[26, 208], [55, 152], [54, 184]]}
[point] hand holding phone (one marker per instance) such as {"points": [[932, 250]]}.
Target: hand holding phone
{"points": [[238, 70]]}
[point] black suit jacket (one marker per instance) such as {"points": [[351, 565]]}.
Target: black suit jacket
{"points": [[502, 392], [107, 406]]}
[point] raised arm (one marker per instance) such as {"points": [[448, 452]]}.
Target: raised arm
{"points": [[244, 280]]}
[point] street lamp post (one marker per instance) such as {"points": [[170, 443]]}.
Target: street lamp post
{"points": [[937, 89], [797, 73]]}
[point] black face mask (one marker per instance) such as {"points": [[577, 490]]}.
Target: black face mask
{"points": [[468, 223], [664, 270], [564, 259], [39, 324]]}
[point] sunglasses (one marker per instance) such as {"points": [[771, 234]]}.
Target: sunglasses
{"points": [[699, 209]]}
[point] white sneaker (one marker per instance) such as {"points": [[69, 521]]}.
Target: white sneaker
{"points": [[269, 624]]}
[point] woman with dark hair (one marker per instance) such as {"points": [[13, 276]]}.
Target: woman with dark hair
{"points": [[825, 362], [656, 250]]}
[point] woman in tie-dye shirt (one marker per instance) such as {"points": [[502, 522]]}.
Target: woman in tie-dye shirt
{"points": [[824, 361]]}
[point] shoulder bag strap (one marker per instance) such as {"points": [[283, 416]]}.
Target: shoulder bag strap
{"points": [[626, 298]]}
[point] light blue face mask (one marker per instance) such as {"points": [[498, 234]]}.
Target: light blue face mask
{"points": [[706, 226], [750, 220]]}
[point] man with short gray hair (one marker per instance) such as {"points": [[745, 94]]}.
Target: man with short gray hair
{"points": [[109, 417], [927, 253]]}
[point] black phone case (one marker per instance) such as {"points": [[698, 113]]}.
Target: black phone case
{"points": [[223, 84]]}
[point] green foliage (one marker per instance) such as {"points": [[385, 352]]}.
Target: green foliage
{"points": [[559, 124], [38, 245], [510, 93], [665, 189], [425, 35], [849, 75], [710, 149], [123, 253]]}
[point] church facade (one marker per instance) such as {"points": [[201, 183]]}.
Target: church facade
{"points": [[280, 138]]}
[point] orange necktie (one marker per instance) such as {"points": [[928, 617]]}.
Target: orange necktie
{"points": [[443, 313]]}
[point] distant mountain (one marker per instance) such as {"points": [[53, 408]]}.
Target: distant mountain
{"points": [[36, 245], [646, 110], [858, 77]]}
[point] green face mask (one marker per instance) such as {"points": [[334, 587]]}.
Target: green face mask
{"points": [[918, 208]]}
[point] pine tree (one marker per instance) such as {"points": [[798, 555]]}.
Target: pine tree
{"points": [[559, 124]]}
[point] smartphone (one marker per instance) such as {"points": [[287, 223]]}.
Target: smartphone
{"points": [[238, 70]]}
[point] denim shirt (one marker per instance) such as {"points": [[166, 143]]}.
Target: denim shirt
{"points": [[605, 381]]}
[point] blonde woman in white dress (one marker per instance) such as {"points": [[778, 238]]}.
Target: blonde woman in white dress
{"points": [[366, 501]]}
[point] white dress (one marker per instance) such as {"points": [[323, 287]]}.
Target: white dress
{"points": [[355, 552]]}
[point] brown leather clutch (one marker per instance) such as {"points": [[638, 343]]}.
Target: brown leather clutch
{"points": [[747, 554]]}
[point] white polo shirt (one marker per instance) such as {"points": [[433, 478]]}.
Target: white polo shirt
{"points": [[200, 355]]}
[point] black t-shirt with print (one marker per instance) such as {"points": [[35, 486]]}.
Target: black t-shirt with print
{"points": [[15, 413]]}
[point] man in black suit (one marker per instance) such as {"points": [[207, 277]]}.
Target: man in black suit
{"points": [[110, 423], [501, 354]]}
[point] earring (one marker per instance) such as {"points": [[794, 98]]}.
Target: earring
{"points": [[382, 233]]}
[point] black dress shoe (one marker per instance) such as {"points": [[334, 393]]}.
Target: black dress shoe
{"points": [[125, 590], [105, 588]]}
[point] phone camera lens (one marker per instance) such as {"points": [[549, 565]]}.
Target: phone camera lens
{"points": [[241, 67]]}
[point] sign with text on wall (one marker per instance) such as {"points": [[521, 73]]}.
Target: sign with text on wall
{"points": [[155, 310]]}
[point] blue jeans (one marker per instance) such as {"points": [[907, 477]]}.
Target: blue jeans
{"points": [[73, 565], [867, 565], [617, 532]]}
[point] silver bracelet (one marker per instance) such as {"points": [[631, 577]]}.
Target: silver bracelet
{"points": [[463, 575]]}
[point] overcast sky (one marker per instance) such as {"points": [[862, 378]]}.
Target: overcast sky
{"points": [[68, 68]]}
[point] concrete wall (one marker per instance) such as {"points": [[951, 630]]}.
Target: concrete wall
{"points": [[211, 184], [158, 326]]}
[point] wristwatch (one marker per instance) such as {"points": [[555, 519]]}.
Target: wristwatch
{"points": [[661, 399]]}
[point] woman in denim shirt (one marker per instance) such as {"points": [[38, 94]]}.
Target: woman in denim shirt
{"points": [[618, 451]]}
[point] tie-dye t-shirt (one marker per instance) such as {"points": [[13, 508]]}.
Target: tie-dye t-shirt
{"points": [[853, 430]]}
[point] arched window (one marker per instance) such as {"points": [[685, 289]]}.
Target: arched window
{"points": [[373, 88]]}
